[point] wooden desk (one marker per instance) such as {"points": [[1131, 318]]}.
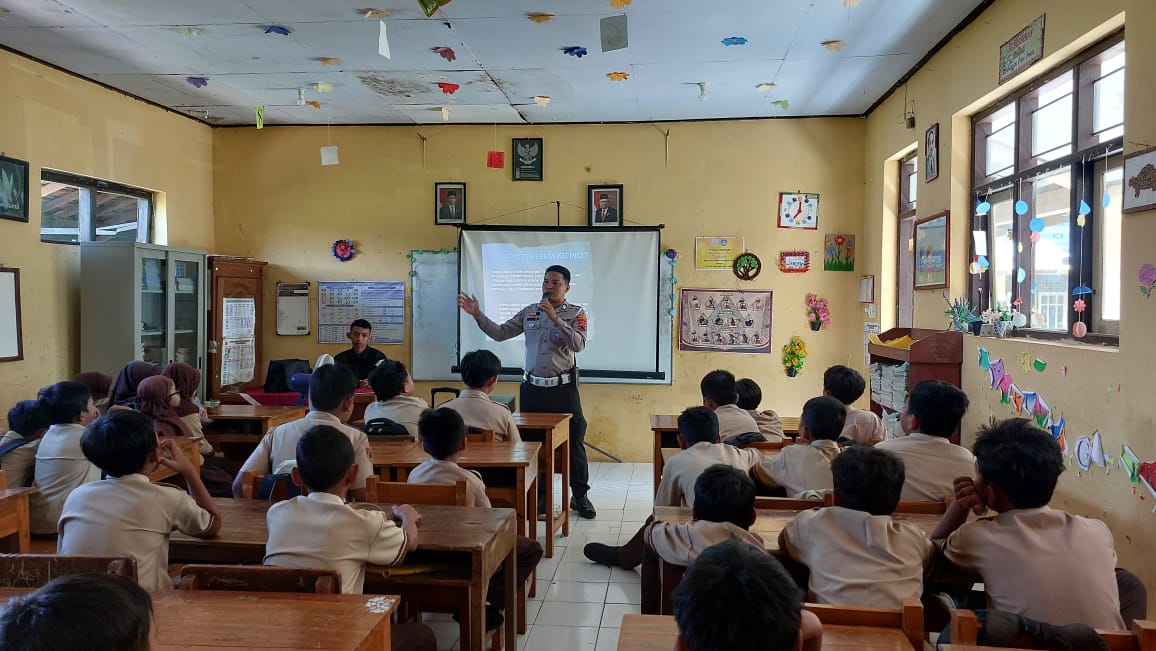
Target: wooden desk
{"points": [[14, 523], [553, 432], [659, 633], [665, 429], [475, 542], [210, 619], [383, 454], [187, 445], [361, 399]]}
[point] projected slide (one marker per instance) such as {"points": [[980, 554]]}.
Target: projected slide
{"points": [[514, 273]]}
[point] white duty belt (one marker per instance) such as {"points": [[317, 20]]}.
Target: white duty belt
{"points": [[565, 378]]}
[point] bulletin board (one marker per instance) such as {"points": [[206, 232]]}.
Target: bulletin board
{"points": [[382, 303], [11, 340]]}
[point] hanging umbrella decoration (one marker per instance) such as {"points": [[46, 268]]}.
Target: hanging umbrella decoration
{"points": [[1079, 328]]}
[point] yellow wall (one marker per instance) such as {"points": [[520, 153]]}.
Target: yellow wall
{"points": [[1103, 389], [58, 121], [274, 202]]}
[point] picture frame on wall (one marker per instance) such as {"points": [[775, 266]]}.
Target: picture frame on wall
{"points": [[1140, 181], [13, 189], [604, 206], [528, 157], [932, 251], [449, 204], [931, 153], [11, 333]]}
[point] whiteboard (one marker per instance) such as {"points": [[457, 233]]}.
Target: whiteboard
{"points": [[11, 343], [434, 347]]}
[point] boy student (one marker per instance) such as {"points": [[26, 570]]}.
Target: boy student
{"points": [[768, 422], [331, 403], [720, 395], [60, 463], [933, 410], [846, 385], [27, 422], [361, 358], [806, 466], [1035, 561], [126, 514], [443, 435], [858, 555], [79, 612], [395, 400], [480, 371]]}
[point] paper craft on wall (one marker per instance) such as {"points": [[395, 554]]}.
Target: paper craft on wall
{"points": [[997, 372], [794, 262], [1005, 383], [1017, 398], [1030, 398], [984, 361], [727, 321], [839, 252], [1097, 450], [1130, 462], [1084, 453], [1042, 413], [1059, 433]]}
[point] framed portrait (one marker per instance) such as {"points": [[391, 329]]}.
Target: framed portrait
{"points": [[450, 204], [604, 205], [13, 189], [11, 337], [931, 153], [932, 246], [527, 159], [1140, 181]]}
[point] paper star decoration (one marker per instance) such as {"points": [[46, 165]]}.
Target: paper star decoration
{"points": [[278, 29], [781, 103], [323, 88], [542, 100], [575, 51], [618, 76], [734, 40], [448, 88], [446, 53], [314, 103], [186, 32], [197, 82], [833, 45], [376, 13], [1079, 305], [540, 17], [619, 4], [766, 85], [330, 61]]}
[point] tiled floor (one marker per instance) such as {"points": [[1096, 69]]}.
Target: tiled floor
{"points": [[580, 605]]}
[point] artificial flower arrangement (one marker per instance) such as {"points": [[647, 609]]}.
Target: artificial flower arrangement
{"points": [[793, 355], [963, 316], [343, 250], [817, 312], [1000, 318]]}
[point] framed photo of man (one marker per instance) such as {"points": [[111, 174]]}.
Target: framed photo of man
{"points": [[931, 153], [450, 204], [604, 205]]}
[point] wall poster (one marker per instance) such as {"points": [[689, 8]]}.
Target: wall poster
{"points": [[725, 321]]}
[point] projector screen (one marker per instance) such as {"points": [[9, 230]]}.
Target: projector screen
{"points": [[614, 276]]}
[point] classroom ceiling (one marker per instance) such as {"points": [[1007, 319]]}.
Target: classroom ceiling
{"points": [[505, 53]]}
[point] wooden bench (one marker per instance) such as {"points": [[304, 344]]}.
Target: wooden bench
{"points": [[393, 492], [34, 570], [260, 578], [965, 628]]}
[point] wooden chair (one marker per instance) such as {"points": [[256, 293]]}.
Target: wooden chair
{"points": [[908, 618], [965, 628], [34, 570], [791, 504], [3, 480], [927, 508], [393, 492], [260, 578], [767, 446], [251, 481]]}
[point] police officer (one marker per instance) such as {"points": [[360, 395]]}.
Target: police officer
{"points": [[555, 330]]}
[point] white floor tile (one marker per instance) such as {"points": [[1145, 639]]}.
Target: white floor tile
{"points": [[562, 638], [607, 639], [624, 593], [575, 591], [619, 575], [570, 614], [585, 572], [446, 634], [612, 614]]}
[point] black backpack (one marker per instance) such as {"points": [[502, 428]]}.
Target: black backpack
{"points": [[384, 427], [280, 370]]}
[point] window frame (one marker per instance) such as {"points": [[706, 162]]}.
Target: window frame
{"points": [[87, 205]]}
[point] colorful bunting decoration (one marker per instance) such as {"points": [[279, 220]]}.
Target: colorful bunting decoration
{"points": [[833, 45], [323, 88], [186, 32], [542, 100], [376, 13], [448, 88], [781, 103], [430, 7], [766, 85]]}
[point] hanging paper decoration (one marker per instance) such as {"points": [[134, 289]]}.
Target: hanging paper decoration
{"points": [[1085, 209], [833, 45], [1034, 237], [997, 372], [376, 13], [1081, 221], [186, 32], [446, 113], [1107, 200], [982, 208], [1021, 207], [430, 7], [618, 76], [542, 100], [850, 4], [260, 117], [1036, 225], [1079, 305], [540, 17], [1147, 277], [1039, 365], [619, 4], [1081, 290], [197, 82], [448, 88], [343, 250], [330, 61], [446, 53], [1021, 275], [323, 88], [1079, 329], [1059, 434], [766, 85], [575, 51], [984, 263], [781, 103], [278, 29], [984, 360], [734, 40], [314, 103]]}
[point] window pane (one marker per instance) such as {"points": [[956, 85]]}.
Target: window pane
{"points": [[912, 185], [60, 212], [1003, 248], [1050, 200], [1109, 222], [116, 217], [1052, 130], [1000, 152], [1108, 106]]}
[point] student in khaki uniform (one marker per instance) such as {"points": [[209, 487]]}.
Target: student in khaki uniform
{"points": [[395, 400], [720, 395], [1035, 561], [331, 391], [27, 422], [846, 385], [80, 611], [126, 514], [443, 435], [858, 555], [60, 463], [932, 413], [806, 466], [480, 370], [768, 422]]}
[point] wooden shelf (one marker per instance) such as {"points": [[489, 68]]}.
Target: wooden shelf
{"points": [[934, 355]]}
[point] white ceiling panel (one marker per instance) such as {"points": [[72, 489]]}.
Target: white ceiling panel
{"points": [[470, 114], [500, 43], [44, 13], [608, 111]]}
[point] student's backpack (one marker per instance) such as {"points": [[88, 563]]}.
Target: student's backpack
{"points": [[280, 371], [384, 427]]}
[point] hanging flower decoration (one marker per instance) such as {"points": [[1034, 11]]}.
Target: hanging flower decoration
{"points": [[1147, 277], [793, 355], [817, 312], [1079, 305], [343, 250]]}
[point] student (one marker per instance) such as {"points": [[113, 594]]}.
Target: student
{"points": [[124, 389], [739, 598], [79, 612], [720, 395], [846, 385], [100, 384], [361, 358], [933, 411], [60, 463], [157, 398], [480, 370], [27, 422], [698, 436], [395, 400], [331, 403], [806, 466], [1035, 561], [125, 514], [188, 382], [768, 422], [858, 555], [443, 435]]}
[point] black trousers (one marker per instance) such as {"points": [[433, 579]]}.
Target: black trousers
{"points": [[563, 399]]}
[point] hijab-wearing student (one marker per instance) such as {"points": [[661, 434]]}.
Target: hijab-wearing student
{"points": [[100, 384], [188, 382], [124, 389], [157, 397]]}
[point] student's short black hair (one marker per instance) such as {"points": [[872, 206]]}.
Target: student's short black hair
{"points": [[28, 417], [324, 455], [560, 269], [478, 367], [329, 385], [388, 379], [119, 442], [1021, 460], [64, 402], [825, 417], [844, 383], [938, 405], [361, 323], [739, 598], [868, 479], [698, 424], [79, 612], [719, 386], [442, 432], [750, 395], [724, 493]]}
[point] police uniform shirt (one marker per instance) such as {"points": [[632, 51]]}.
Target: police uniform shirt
{"points": [[550, 345]]}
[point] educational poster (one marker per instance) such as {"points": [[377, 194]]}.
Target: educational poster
{"points": [[240, 318], [716, 253], [237, 361], [725, 321], [341, 303]]}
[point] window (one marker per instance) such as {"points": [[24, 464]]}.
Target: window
{"points": [[1051, 149], [76, 209], [908, 184]]}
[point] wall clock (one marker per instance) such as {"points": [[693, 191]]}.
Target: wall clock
{"points": [[799, 210]]}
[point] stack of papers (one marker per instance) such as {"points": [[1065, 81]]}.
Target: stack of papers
{"points": [[889, 385]]}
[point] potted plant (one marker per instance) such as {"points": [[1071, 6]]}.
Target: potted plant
{"points": [[963, 316], [817, 312], [793, 355], [1000, 318]]}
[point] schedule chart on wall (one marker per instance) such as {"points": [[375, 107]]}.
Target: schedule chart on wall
{"points": [[382, 303]]}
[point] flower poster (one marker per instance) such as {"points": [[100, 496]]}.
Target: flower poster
{"points": [[725, 321], [838, 253]]}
